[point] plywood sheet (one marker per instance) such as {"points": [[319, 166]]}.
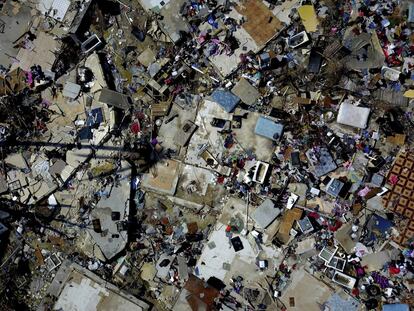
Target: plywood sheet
{"points": [[261, 24]]}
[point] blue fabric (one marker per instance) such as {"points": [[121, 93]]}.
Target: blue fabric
{"points": [[268, 128], [212, 21], [382, 224], [396, 307], [225, 99], [378, 227]]}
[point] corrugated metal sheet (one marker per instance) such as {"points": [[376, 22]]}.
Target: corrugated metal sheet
{"points": [[392, 97], [54, 8], [71, 90], [115, 99]]}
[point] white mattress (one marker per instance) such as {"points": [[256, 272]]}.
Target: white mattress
{"points": [[353, 116]]}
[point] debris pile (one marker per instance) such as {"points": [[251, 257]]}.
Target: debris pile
{"points": [[206, 155]]}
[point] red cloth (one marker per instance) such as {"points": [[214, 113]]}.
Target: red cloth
{"points": [[355, 292], [135, 128], [313, 215], [335, 227], [394, 270], [393, 179]]}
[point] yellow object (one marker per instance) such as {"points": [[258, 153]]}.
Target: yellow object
{"points": [[309, 19], [398, 30], [397, 139], [409, 94]]}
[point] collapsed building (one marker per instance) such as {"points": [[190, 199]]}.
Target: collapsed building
{"points": [[206, 155]]}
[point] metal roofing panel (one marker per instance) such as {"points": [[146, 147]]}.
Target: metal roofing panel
{"points": [[59, 9], [71, 90], [54, 8], [115, 99]]}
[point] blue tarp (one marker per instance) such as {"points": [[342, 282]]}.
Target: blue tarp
{"points": [[268, 128], [225, 99], [396, 307]]}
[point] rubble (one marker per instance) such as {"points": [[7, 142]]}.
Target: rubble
{"points": [[206, 155]]}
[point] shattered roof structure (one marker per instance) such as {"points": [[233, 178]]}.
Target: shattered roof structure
{"points": [[78, 289], [206, 155], [367, 43]]}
